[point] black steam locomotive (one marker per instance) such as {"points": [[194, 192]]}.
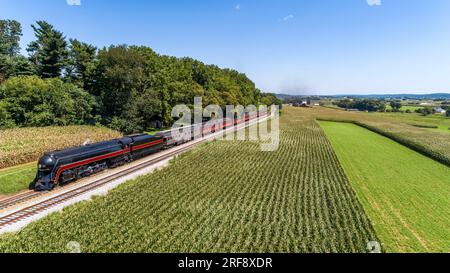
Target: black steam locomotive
{"points": [[65, 166], [61, 167]]}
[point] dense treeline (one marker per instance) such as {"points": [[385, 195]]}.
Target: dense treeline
{"points": [[362, 105], [129, 88]]}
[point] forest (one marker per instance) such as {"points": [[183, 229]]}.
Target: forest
{"points": [[127, 88]]}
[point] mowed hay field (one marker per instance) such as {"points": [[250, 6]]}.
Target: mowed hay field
{"points": [[432, 142], [220, 197], [406, 195]]}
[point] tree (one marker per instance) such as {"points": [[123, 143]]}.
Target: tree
{"points": [[345, 103], [447, 109], [131, 88], [82, 63], [396, 106], [363, 105], [11, 62], [141, 113], [15, 66], [425, 111], [5, 116], [49, 51], [121, 76], [270, 99], [31, 101], [10, 33]]}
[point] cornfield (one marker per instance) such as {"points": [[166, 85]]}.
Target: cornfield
{"points": [[221, 197], [25, 145]]}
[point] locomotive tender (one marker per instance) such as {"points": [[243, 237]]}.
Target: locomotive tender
{"points": [[65, 166]]}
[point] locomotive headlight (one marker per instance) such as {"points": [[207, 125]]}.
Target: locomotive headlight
{"points": [[46, 162]]}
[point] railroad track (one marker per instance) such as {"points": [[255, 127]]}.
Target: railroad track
{"points": [[18, 198], [39, 207], [42, 206]]}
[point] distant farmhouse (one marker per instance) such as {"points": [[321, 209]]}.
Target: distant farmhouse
{"points": [[439, 110], [301, 104]]}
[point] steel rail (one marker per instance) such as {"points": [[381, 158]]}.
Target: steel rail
{"points": [[18, 198]]}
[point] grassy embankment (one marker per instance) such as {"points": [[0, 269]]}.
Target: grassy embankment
{"points": [[405, 193]]}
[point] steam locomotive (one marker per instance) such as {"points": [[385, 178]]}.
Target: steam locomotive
{"points": [[65, 166]]}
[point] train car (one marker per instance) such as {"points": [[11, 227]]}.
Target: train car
{"points": [[227, 122], [211, 128], [177, 136], [143, 145]]}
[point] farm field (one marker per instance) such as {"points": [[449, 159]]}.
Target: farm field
{"points": [[433, 142], [20, 148], [442, 123], [220, 197], [405, 194], [406, 107], [410, 108], [24, 145]]}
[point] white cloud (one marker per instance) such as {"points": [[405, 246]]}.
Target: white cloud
{"points": [[374, 2], [73, 2], [287, 18], [238, 7]]}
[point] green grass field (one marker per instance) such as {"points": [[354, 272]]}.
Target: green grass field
{"points": [[405, 108], [433, 142], [410, 108], [17, 178], [221, 197], [405, 194]]}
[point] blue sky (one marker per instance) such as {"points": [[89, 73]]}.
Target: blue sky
{"points": [[290, 46]]}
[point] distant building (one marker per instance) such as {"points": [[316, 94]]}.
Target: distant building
{"points": [[439, 110]]}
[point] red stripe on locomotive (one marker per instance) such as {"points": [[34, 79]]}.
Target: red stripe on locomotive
{"points": [[102, 157]]}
